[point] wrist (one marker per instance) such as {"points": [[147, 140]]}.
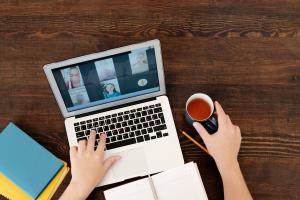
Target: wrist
{"points": [[228, 166], [77, 191]]}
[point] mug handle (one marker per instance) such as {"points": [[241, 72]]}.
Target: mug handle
{"points": [[211, 124]]}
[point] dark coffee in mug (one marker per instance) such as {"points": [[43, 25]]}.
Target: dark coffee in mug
{"points": [[199, 109]]}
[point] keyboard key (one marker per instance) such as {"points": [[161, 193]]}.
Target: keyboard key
{"points": [[151, 106], [150, 112], [89, 126], [96, 124], [140, 139], [150, 130], [144, 131], [145, 125], [87, 132], [133, 128], [159, 134], [126, 112], [138, 114], [113, 115], [153, 137], [157, 105], [83, 138], [115, 132], [131, 116], [159, 128], [89, 121], [118, 125], [151, 123], [160, 115], [133, 110], [126, 135], [138, 133], [139, 126], [157, 110], [101, 123], [162, 120], [121, 143], [76, 124], [105, 128], [80, 134], [139, 109], [100, 130], [107, 140], [142, 119], [125, 117], [111, 127], [114, 120], [157, 122], [145, 108], [131, 134], [130, 122], [113, 139], [120, 113], [83, 122], [127, 129], [77, 128], [109, 133], [95, 119], [108, 121], [97, 136], [154, 116], [124, 124], [101, 118], [144, 113], [121, 131], [119, 137], [83, 127], [147, 137], [107, 116], [148, 118], [136, 121], [165, 134]]}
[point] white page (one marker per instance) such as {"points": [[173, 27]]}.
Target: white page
{"points": [[137, 190], [180, 183]]}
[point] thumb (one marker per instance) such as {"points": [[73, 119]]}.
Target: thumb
{"points": [[110, 161], [202, 131]]}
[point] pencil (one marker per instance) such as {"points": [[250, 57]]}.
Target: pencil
{"points": [[194, 141]]}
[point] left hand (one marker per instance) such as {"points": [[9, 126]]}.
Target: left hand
{"points": [[87, 166]]}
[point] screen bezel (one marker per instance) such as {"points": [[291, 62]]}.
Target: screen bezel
{"points": [[160, 72]]}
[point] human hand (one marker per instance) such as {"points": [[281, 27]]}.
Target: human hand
{"points": [[87, 166], [224, 145]]}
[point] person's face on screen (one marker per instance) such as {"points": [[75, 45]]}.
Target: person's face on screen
{"points": [[75, 76], [141, 58], [110, 88]]}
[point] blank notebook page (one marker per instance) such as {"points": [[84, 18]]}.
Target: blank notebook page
{"points": [[137, 190], [180, 183]]}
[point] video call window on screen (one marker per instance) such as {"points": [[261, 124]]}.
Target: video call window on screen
{"points": [[108, 79]]}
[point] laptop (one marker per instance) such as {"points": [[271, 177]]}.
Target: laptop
{"points": [[120, 92]]}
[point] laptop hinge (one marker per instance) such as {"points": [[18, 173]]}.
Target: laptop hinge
{"points": [[114, 107]]}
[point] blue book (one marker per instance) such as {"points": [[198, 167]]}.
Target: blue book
{"points": [[25, 162]]}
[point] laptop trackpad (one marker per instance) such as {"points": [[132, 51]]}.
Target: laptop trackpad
{"points": [[132, 163]]}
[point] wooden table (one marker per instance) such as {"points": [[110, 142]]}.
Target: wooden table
{"points": [[245, 54]]}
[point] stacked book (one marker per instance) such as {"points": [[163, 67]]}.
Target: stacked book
{"points": [[27, 170]]}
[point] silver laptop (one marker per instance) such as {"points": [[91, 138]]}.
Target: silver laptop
{"points": [[120, 92]]}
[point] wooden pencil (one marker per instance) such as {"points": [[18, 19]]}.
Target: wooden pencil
{"points": [[194, 141]]}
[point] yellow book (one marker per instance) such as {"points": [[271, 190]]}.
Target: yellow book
{"points": [[11, 191]]}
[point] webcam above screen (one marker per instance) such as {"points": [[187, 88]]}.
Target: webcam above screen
{"points": [[106, 79]]}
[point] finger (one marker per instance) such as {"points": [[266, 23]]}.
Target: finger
{"points": [[228, 119], [73, 151], [91, 141], [102, 144], [202, 132], [82, 145], [220, 113], [110, 161]]}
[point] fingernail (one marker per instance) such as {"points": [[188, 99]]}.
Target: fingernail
{"points": [[195, 123]]}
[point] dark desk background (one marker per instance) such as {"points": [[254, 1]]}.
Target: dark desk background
{"points": [[245, 54]]}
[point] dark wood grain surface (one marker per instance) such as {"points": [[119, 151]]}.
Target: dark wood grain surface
{"points": [[245, 54]]}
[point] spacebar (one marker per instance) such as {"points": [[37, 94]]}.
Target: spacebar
{"points": [[120, 143]]}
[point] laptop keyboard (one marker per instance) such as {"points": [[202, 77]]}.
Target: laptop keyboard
{"points": [[125, 128]]}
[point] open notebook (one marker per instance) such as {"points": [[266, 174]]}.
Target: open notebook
{"points": [[182, 182]]}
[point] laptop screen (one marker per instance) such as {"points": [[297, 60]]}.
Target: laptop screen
{"points": [[108, 79]]}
